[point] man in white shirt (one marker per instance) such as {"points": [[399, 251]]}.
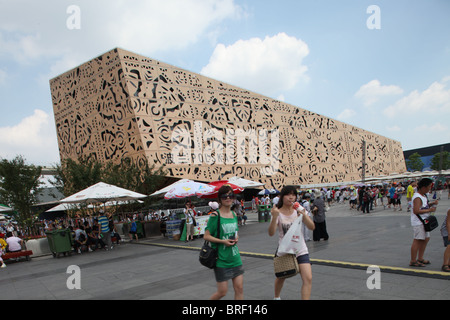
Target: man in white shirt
{"points": [[275, 200], [14, 243]]}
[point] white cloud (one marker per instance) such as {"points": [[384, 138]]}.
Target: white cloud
{"points": [[393, 129], [28, 33], [34, 138], [372, 91], [346, 114], [434, 100], [59, 66], [267, 66], [148, 26], [429, 134], [434, 128]]}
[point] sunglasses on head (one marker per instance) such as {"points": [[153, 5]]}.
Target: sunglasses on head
{"points": [[226, 196]]}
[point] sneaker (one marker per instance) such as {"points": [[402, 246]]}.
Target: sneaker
{"points": [[3, 265]]}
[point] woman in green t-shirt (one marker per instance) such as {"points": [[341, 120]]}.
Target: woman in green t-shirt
{"points": [[229, 263]]}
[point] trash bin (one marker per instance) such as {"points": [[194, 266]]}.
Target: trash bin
{"points": [[264, 212], [267, 213], [261, 212], [60, 241]]}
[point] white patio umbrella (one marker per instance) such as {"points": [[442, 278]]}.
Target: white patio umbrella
{"points": [[63, 207], [168, 188], [4, 208], [244, 183], [430, 173], [71, 206], [101, 193], [188, 188]]}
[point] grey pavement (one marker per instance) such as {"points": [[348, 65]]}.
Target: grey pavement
{"points": [[163, 269]]}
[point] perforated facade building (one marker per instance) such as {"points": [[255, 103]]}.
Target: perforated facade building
{"points": [[122, 104]]}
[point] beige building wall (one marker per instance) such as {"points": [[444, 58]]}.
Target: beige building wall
{"points": [[121, 104]]}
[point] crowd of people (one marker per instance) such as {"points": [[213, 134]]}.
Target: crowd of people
{"points": [[311, 211], [310, 206], [88, 233]]}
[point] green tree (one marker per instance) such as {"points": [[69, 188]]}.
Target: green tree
{"points": [[19, 186], [414, 162], [73, 176], [140, 178], [435, 161]]}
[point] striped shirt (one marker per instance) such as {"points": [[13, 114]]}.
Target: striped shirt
{"points": [[103, 223]]}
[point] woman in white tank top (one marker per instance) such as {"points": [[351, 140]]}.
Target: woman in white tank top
{"points": [[423, 208]]}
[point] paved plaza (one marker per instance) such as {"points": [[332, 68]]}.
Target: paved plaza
{"points": [[163, 269]]}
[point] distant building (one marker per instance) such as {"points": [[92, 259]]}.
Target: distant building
{"points": [[122, 104], [427, 153]]}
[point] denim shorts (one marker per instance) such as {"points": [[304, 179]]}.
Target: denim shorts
{"points": [[304, 258], [446, 242], [225, 274]]}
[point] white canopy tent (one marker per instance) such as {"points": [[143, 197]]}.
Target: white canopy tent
{"points": [[244, 183], [74, 206], [102, 193]]}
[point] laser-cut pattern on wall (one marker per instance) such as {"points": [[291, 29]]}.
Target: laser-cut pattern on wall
{"points": [[121, 104]]}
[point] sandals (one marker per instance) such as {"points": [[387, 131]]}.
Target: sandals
{"points": [[424, 261], [416, 264], [445, 268]]}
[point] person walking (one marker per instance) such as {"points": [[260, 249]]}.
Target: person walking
{"points": [[366, 197], [423, 208], [133, 230], [307, 233], [189, 214], [409, 194], [399, 191], [444, 232], [353, 198], [392, 199], [320, 230], [283, 216], [229, 263]]}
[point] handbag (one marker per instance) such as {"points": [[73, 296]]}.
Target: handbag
{"points": [[208, 255], [430, 223], [285, 266]]}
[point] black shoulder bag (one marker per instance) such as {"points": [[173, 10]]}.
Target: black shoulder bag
{"points": [[430, 223], [208, 255]]}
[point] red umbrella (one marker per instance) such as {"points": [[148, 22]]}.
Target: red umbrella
{"points": [[218, 184]]}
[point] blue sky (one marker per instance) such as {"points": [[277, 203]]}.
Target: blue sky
{"points": [[318, 55]]}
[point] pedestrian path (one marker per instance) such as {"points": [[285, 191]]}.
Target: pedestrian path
{"points": [[333, 263], [163, 269]]}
